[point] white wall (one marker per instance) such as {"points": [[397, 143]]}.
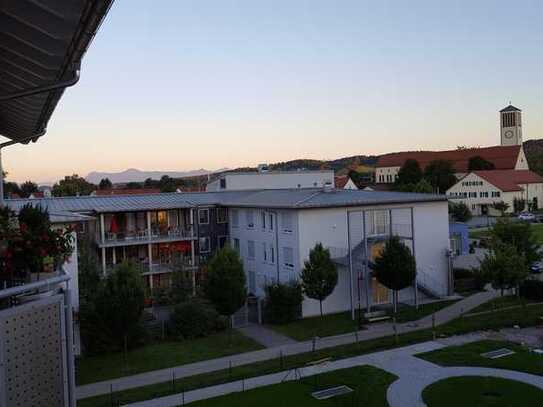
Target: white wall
{"points": [[274, 180]]}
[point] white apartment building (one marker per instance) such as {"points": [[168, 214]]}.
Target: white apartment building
{"points": [[264, 179], [275, 232], [479, 190]]}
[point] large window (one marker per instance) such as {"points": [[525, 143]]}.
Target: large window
{"points": [[286, 220], [203, 216], [221, 241], [236, 245], [250, 217], [264, 252], [263, 219], [378, 222], [288, 257], [251, 249], [205, 245], [222, 215], [235, 218]]}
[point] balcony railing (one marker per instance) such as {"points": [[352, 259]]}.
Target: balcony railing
{"points": [[158, 266], [154, 234]]}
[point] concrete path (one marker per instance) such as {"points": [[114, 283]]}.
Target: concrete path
{"points": [[372, 332], [265, 336], [414, 375]]}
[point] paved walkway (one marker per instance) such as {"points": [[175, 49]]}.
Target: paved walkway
{"points": [[372, 332], [265, 336], [414, 375]]}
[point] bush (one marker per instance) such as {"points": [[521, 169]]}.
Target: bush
{"points": [[283, 302], [196, 318], [532, 290], [462, 273]]}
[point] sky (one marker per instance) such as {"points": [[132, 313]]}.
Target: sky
{"points": [[181, 85]]}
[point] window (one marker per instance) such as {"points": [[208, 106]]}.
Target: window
{"points": [[495, 194], [236, 245], [286, 220], [221, 241], [235, 218], [264, 252], [251, 249], [378, 222], [271, 220], [249, 214], [272, 254], [205, 246], [263, 219], [222, 215], [203, 216], [288, 257], [222, 183]]}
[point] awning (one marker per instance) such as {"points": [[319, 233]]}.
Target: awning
{"points": [[41, 46]]}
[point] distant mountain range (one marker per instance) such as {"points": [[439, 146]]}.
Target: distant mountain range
{"points": [[135, 175]]}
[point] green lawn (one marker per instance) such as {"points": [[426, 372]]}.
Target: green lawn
{"points": [[500, 302], [337, 324], [470, 355], [161, 355], [369, 386], [481, 392], [519, 316]]}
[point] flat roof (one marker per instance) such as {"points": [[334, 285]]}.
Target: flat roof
{"points": [[269, 198]]}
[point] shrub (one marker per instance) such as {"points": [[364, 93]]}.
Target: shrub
{"points": [[283, 302], [196, 318], [462, 273], [532, 290]]}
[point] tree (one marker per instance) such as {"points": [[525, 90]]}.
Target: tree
{"points": [[150, 183], [409, 173], [421, 187], [395, 268], [73, 185], [28, 187], [226, 286], [167, 184], [505, 267], [112, 319], [517, 234], [519, 205], [440, 174], [459, 212], [133, 185], [181, 287], [105, 183], [501, 206], [11, 188], [478, 163], [319, 276]]}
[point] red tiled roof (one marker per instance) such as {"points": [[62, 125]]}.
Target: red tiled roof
{"points": [[135, 191], [510, 180], [503, 157]]}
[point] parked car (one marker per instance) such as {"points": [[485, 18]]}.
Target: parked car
{"points": [[527, 216], [536, 267]]}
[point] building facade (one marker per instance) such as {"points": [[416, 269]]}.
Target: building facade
{"points": [[264, 179], [479, 190], [509, 155]]}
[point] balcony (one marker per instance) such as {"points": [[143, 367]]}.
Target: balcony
{"points": [[142, 236]]}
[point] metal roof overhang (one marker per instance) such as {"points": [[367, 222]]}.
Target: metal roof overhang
{"points": [[42, 43]]}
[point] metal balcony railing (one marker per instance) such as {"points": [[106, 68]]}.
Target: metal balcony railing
{"points": [[149, 235]]}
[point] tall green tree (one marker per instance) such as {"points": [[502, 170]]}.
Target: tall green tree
{"points": [[478, 163], [226, 286], [28, 187], [501, 206], [319, 275], [440, 174], [395, 268], [459, 211], [11, 188], [105, 183], [505, 267], [73, 185], [517, 234], [409, 173], [167, 184], [112, 319]]}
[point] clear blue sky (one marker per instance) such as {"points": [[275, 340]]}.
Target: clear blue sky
{"points": [[179, 85]]}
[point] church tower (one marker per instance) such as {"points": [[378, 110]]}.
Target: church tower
{"points": [[511, 126]]}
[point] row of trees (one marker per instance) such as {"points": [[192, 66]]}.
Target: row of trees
{"points": [[437, 176]]}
